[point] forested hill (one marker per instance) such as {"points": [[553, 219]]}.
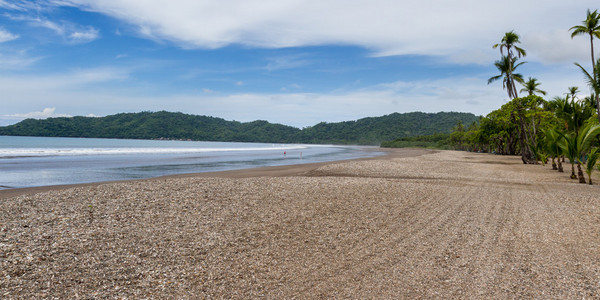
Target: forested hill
{"points": [[169, 125], [373, 130]]}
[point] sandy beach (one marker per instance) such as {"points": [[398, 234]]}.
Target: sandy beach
{"points": [[413, 224]]}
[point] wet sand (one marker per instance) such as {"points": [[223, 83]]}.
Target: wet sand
{"points": [[413, 224], [276, 171]]}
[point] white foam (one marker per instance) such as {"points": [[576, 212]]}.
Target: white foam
{"points": [[25, 152]]}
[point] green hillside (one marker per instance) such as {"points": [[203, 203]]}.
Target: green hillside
{"points": [[169, 125], [374, 130]]}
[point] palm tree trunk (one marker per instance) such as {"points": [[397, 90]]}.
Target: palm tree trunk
{"points": [[580, 173], [594, 72], [526, 153], [522, 145], [560, 167], [512, 89], [554, 164], [573, 176], [593, 61]]}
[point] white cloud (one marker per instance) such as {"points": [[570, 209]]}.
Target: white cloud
{"points": [[19, 5], [454, 31], [72, 33], [294, 86], [296, 109], [286, 62], [6, 36], [49, 112], [387, 27], [16, 60], [16, 87], [307, 109], [59, 29], [557, 46], [84, 36], [462, 94]]}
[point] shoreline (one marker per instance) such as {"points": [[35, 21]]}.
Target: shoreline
{"points": [[271, 171]]}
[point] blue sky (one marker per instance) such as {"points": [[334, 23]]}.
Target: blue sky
{"points": [[294, 62]]}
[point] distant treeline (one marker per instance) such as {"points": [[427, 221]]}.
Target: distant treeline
{"points": [[434, 141], [179, 126]]}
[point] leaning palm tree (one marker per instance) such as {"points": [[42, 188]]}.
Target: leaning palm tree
{"points": [[591, 27], [531, 87], [591, 162], [509, 42], [507, 65], [507, 73]]}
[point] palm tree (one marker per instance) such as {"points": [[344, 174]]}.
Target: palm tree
{"points": [[531, 87], [575, 146], [562, 109], [509, 42], [573, 90], [569, 148], [507, 65], [507, 72], [573, 113], [590, 26], [539, 152], [591, 101], [591, 162], [552, 138], [585, 138]]}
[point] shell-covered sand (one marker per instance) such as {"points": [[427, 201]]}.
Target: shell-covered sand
{"points": [[441, 225]]}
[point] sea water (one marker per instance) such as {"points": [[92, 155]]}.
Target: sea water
{"points": [[43, 161]]}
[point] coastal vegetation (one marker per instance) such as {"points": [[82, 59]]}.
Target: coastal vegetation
{"points": [[179, 126], [531, 126], [434, 141]]}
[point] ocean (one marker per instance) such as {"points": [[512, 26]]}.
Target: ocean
{"points": [[44, 161]]}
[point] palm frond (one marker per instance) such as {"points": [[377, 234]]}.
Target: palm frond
{"points": [[593, 80], [492, 79], [585, 72], [586, 136], [591, 162], [518, 77], [578, 30], [520, 51]]}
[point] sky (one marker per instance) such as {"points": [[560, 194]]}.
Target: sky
{"points": [[293, 62]]}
